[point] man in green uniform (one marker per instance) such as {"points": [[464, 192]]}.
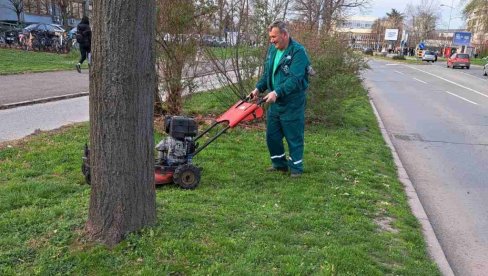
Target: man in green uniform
{"points": [[285, 77]]}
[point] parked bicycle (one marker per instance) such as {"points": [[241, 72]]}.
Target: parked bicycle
{"points": [[45, 41]]}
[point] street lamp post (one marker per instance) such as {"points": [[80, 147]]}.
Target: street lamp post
{"points": [[450, 17], [450, 13]]}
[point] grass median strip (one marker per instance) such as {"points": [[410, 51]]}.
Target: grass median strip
{"points": [[15, 61], [347, 215]]}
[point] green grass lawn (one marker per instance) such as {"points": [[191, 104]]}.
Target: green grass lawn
{"points": [[409, 61], [14, 61], [230, 52], [479, 61], [347, 215]]}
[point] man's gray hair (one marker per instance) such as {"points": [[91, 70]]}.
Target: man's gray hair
{"points": [[281, 25]]}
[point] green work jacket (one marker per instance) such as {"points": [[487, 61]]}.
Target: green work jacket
{"points": [[290, 79]]}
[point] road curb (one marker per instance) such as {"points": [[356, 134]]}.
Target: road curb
{"points": [[43, 100], [433, 245]]}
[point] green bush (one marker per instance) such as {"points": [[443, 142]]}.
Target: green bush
{"points": [[326, 97], [337, 69], [399, 57], [336, 80]]}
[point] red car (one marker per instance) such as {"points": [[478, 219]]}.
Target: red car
{"points": [[459, 60]]}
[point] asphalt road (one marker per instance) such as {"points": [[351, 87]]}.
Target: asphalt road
{"points": [[437, 119]]}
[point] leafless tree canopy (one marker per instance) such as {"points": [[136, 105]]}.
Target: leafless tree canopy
{"points": [[17, 6], [321, 15], [422, 19]]}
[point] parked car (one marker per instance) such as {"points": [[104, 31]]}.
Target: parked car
{"points": [[368, 51], [428, 56], [220, 42], [459, 60], [209, 40]]}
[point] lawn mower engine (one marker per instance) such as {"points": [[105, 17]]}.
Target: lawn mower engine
{"points": [[175, 153], [174, 158]]}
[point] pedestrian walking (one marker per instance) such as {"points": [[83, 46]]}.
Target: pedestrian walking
{"points": [[83, 37], [285, 77]]}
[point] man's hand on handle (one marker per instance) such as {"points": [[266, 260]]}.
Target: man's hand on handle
{"points": [[254, 94], [271, 97]]}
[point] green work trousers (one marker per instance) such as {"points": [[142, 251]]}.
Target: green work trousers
{"points": [[293, 132]]}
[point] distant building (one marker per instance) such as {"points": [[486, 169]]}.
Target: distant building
{"points": [[43, 11], [479, 37], [359, 31], [357, 24], [441, 38]]}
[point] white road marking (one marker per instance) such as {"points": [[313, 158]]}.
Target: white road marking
{"points": [[392, 64], [474, 76], [461, 98], [419, 80], [399, 72], [455, 83]]}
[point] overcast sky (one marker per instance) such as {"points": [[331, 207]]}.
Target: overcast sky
{"points": [[379, 8]]}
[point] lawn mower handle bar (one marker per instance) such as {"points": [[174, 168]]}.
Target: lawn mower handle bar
{"points": [[259, 102]]}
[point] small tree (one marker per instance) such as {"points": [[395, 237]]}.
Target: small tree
{"points": [[179, 27], [423, 18], [239, 60], [122, 85], [18, 7], [393, 20], [63, 9]]}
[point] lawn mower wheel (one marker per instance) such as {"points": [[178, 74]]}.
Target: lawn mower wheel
{"points": [[187, 176]]}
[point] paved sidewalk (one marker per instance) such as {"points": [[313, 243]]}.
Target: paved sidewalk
{"points": [[19, 122], [35, 86], [62, 104]]}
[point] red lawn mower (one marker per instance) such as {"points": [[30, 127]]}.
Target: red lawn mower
{"points": [[176, 151]]}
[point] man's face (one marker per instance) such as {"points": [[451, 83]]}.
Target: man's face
{"points": [[279, 39]]}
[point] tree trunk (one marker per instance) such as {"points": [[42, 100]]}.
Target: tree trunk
{"points": [[64, 16], [175, 87], [122, 85]]}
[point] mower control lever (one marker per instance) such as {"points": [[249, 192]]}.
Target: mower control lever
{"points": [[249, 97]]}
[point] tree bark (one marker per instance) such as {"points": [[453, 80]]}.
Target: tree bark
{"points": [[122, 85]]}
